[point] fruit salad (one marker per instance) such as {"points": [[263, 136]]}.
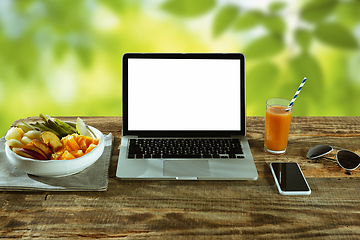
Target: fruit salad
{"points": [[51, 140]]}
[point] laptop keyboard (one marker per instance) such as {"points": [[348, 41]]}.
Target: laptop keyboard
{"points": [[185, 148]]}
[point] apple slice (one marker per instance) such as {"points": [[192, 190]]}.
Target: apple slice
{"points": [[51, 140], [43, 147], [31, 146], [29, 154]]}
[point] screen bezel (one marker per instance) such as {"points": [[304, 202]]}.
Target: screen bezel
{"points": [[144, 133]]}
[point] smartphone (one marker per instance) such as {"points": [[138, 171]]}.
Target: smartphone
{"points": [[289, 178]]}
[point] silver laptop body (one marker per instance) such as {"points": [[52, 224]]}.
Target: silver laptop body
{"points": [[170, 97]]}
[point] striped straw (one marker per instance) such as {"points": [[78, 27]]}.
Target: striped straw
{"points": [[297, 92]]}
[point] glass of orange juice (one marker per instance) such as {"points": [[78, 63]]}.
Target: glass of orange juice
{"points": [[277, 125]]}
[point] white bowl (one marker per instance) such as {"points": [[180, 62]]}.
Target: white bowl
{"points": [[57, 168]]}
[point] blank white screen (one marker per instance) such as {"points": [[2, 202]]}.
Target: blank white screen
{"points": [[184, 94]]}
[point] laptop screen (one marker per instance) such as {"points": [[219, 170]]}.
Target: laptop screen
{"points": [[183, 93]]}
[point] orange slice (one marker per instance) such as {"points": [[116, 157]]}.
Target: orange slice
{"points": [[90, 148], [77, 153], [66, 156]]}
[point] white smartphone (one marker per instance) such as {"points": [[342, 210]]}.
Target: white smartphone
{"points": [[289, 178]]}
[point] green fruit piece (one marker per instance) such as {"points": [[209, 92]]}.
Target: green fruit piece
{"points": [[25, 126], [42, 127], [65, 126], [56, 127]]}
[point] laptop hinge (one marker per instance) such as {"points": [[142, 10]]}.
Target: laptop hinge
{"points": [[235, 136]]}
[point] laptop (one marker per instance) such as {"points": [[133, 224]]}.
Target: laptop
{"points": [[184, 117]]}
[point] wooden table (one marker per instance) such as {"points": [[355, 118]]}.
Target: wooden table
{"points": [[204, 209]]}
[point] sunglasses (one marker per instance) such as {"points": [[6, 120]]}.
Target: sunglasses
{"points": [[345, 158]]}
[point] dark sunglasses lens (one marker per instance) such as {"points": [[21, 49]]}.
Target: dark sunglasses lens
{"points": [[348, 160], [318, 151]]}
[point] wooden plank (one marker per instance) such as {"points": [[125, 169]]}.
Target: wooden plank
{"points": [[173, 208]]}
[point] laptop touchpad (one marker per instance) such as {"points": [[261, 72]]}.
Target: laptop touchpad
{"points": [[186, 168]]}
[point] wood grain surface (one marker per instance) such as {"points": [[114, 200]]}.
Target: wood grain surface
{"points": [[204, 209]]}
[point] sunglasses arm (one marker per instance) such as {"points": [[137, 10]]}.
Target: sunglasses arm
{"points": [[334, 160], [338, 148], [327, 158]]}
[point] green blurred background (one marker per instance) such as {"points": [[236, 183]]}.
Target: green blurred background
{"points": [[63, 57]]}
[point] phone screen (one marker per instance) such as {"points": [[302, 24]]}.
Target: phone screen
{"points": [[289, 178]]}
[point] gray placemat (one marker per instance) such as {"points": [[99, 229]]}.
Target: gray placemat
{"points": [[93, 178]]}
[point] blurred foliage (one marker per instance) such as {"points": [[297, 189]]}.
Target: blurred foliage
{"points": [[188, 8], [63, 57]]}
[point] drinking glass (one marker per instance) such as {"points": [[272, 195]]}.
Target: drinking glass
{"points": [[277, 125]]}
